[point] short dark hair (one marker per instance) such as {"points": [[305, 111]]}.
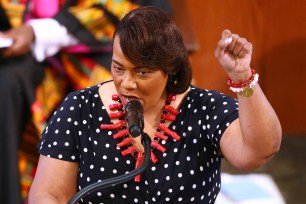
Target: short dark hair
{"points": [[148, 37]]}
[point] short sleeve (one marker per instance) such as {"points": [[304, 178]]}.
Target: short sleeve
{"points": [[221, 111], [59, 138]]}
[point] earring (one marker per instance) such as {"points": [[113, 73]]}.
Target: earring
{"points": [[173, 79], [175, 82]]}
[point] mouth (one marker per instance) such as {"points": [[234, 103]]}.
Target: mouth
{"points": [[126, 98]]}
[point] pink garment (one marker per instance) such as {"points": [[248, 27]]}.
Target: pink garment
{"points": [[44, 8], [81, 48]]}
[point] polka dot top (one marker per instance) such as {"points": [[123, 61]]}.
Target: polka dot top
{"points": [[189, 171]]}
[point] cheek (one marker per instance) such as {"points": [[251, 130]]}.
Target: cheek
{"points": [[116, 81], [156, 87], [113, 71], [115, 77]]}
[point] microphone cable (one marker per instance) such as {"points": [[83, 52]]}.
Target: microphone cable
{"points": [[146, 142]]}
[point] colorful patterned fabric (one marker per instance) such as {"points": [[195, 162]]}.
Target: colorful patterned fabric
{"points": [[92, 17], [28, 159], [14, 10]]}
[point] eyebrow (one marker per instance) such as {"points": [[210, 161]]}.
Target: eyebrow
{"points": [[115, 61], [118, 63]]}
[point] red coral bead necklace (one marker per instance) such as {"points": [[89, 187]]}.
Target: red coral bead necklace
{"points": [[125, 140]]}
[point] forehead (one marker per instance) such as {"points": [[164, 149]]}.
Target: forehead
{"points": [[120, 59], [118, 56]]}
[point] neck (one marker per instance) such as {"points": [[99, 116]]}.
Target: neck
{"points": [[152, 114], [156, 106]]}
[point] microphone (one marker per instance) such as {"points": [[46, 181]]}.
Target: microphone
{"points": [[134, 117]]}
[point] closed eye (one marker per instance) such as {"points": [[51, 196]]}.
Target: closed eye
{"points": [[143, 73], [118, 69]]}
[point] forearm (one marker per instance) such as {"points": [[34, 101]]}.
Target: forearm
{"points": [[45, 199], [55, 181], [260, 127]]}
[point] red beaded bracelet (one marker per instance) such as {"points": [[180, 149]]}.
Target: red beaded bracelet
{"points": [[242, 84], [244, 87]]}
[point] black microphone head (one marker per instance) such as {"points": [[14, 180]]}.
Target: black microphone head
{"points": [[134, 117]]}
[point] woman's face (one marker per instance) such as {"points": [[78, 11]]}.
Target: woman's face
{"points": [[135, 82]]}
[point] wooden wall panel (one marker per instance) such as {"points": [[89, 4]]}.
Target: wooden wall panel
{"points": [[277, 30], [285, 51]]}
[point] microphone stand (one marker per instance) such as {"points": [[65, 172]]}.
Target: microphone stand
{"points": [[146, 142]]}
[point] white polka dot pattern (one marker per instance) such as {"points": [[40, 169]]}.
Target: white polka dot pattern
{"points": [[189, 172]]}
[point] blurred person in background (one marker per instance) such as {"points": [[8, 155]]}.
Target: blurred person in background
{"points": [[57, 46]]}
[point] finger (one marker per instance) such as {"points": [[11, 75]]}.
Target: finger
{"points": [[246, 49], [240, 42], [223, 43], [232, 45], [12, 50], [225, 34], [225, 39], [220, 48]]}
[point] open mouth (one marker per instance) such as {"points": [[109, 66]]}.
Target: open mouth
{"points": [[125, 99]]}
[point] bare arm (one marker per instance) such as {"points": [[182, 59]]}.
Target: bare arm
{"points": [[55, 181], [255, 137]]}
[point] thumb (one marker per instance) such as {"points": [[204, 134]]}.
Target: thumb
{"points": [[225, 39], [223, 43], [225, 34]]}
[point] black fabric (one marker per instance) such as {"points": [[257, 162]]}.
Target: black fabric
{"points": [[69, 3], [109, 14], [4, 22], [162, 4], [19, 78], [104, 59]]}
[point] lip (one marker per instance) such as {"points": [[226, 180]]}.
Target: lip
{"points": [[126, 98]]}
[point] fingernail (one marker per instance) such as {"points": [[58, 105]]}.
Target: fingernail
{"points": [[228, 40]]}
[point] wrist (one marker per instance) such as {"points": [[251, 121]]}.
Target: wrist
{"points": [[245, 87], [240, 77]]}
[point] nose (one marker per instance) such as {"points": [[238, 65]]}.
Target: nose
{"points": [[129, 81]]}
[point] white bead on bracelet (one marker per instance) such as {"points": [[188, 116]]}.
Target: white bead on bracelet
{"points": [[239, 90]]}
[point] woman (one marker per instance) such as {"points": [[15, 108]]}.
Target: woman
{"points": [[86, 140]]}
